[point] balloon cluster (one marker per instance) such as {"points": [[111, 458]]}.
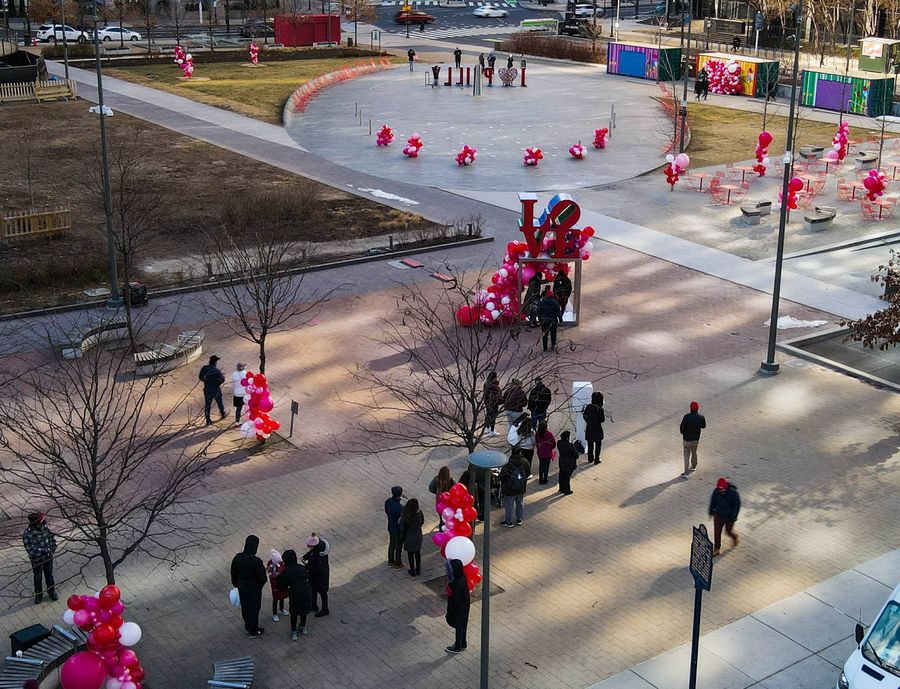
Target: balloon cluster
{"points": [[108, 662], [675, 167], [841, 141], [254, 53], [385, 136], [185, 61], [457, 510], [259, 404], [577, 151], [532, 157], [875, 184], [724, 78], [794, 186], [413, 146], [600, 137], [762, 152], [466, 156]]}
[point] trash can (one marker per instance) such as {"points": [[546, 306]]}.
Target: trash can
{"points": [[349, 42]]}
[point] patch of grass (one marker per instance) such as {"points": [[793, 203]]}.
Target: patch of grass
{"points": [[258, 92]]}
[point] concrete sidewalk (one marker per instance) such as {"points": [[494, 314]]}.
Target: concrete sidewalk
{"points": [[800, 642]]}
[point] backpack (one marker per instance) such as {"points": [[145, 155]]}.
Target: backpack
{"points": [[516, 481], [579, 447]]}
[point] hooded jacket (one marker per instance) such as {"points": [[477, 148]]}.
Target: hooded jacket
{"points": [[726, 503], [458, 601], [516, 463], [594, 417], [295, 578], [539, 399], [548, 310], [568, 455], [411, 529], [393, 509], [247, 570], [316, 560]]}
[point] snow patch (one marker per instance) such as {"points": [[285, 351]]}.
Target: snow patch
{"points": [[378, 194], [788, 322]]}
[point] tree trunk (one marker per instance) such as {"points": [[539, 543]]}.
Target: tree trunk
{"points": [[126, 289], [106, 556], [262, 353]]}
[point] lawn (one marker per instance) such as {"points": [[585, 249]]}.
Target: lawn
{"points": [[258, 92]]}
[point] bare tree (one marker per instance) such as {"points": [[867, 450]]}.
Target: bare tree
{"points": [[881, 328], [433, 397], [146, 11], [26, 158]]}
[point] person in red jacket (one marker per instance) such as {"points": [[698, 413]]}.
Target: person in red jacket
{"points": [[545, 445], [724, 506]]}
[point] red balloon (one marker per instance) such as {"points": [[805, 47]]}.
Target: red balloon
{"points": [[444, 497], [470, 514], [459, 491], [463, 529], [104, 634], [74, 603], [116, 621], [765, 138], [109, 595], [466, 315], [137, 674], [796, 184]]}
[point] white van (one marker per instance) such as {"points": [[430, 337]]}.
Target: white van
{"points": [[875, 664]]}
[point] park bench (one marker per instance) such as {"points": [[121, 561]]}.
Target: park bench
{"points": [[167, 357], [811, 152], [232, 674], [821, 218], [42, 659], [753, 210], [866, 160], [53, 90], [100, 330]]}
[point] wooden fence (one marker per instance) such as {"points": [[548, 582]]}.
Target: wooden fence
{"points": [[28, 225], [38, 90]]}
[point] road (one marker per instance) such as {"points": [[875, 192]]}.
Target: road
{"points": [[458, 21]]}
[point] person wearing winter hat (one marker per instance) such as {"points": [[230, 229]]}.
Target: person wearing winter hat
{"points": [[691, 425], [274, 567], [393, 508], [40, 544], [212, 379], [238, 392], [316, 560], [248, 574], [295, 580], [724, 506], [457, 604]]}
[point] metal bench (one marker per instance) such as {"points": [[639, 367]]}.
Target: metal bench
{"points": [[820, 219], [167, 357], [866, 160], [233, 674], [101, 330], [39, 661]]}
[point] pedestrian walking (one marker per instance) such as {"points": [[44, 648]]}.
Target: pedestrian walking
{"points": [[514, 401], [393, 508], [562, 290], [421, 27], [691, 426], [212, 379], [274, 567], [481, 61], [521, 438], [550, 317], [295, 580], [457, 604], [492, 59], [411, 522], [316, 560], [411, 56], [509, 61], [237, 392], [457, 57], [724, 506], [701, 85], [513, 483], [568, 459], [492, 396], [545, 445], [248, 574], [539, 399], [40, 544], [594, 418]]}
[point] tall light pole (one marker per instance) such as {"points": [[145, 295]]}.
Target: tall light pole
{"points": [[115, 299], [770, 366], [687, 69], [486, 460], [62, 20]]}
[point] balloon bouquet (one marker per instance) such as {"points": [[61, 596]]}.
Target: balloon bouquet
{"points": [[385, 136], [875, 184], [762, 152], [600, 137], [841, 142], [185, 61], [532, 157], [259, 404], [675, 167], [724, 78], [577, 151], [466, 156], [413, 146], [457, 510], [108, 662], [794, 186], [254, 53]]}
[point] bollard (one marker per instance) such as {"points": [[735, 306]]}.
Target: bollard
{"points": [[449, 81], [489, 73], [468, 76], [460, 82], [360, 118], [355, 108], [391, 242], [370, 126]]}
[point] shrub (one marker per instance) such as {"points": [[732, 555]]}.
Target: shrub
{"points": [[55, 52], [528, 43]]}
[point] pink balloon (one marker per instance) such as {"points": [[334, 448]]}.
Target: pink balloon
{"points": [[118, 608], [91, 603], [83, 670], [128, 658], [104, 615], [82, 617]]}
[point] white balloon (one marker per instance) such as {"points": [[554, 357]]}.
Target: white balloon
{"points": [[670, 158], [589, 246], [504, 272], [459, 514], [112, 683], [460, 548], [69, 617], [490, 306], [129, 634], [495, 314], [766, 161], [504, 301], [732, 68]]}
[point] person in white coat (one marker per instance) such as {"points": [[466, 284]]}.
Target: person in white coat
{"points": [[237, 391]]}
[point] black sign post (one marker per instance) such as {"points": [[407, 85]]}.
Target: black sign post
{"points": [[701, 570], [295, 409]]}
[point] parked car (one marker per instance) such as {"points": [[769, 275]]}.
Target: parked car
{"points": [[116, 33], [413, 17], [257, 31], [585, 10], [488, 11], [875, 662], [54, 33]]}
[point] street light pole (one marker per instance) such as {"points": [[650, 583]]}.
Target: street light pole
{"points": [[770, 366], [687, 69], [62, 20], [115, 300]]}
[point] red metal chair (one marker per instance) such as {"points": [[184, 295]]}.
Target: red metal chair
{"points": [[844, 190], [718, 194], [869, 209], [740, 194], [733, 175]]}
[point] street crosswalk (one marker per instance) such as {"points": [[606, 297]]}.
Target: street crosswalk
{"points": [[461, 31]]}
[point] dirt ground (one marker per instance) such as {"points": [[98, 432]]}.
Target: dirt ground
{"points": [[57, 141]]}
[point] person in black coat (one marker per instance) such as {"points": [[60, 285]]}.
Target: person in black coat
{"points": [[393, 508], [295, 578], [248, 574], [457, 57], [411, 522], [562, 289], [701, 85], [692, 424], [568, 458], [594, 417], [316, 560], [457, 604], [212, 379], [532, 297], [539, 402], [550, 316], [724, 506]]}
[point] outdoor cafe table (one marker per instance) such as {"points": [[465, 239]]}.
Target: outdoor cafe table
{"points": [[744, 170], [729, 188], [700, 176], [884, 202]]}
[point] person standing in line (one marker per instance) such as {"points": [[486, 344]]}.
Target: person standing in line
{"points": [[393, 508], [491, 60], [248, 574], [295, 580], [237, 392], [457, 604], [724, 506], [691, 426], [539, 399], [568, 459], [514, 401], [411, 522], [532, 298], [594, 417], [513, 482], [40, 544], [411, 56], [212, 388], [562, 290], [481, 62], [457, 57], [316, 560], [492, 396], [550, 317], [545, 444], [442, 483], [521, 439], [274, 567]]}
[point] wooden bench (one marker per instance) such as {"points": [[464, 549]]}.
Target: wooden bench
{"points": [[101, 330], [820, 219], [233, 674], [42, 659], [54, 90], [866, 160], [167, 357]]}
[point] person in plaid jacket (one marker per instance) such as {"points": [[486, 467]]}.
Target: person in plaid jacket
{"points": [[40, 544]]}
